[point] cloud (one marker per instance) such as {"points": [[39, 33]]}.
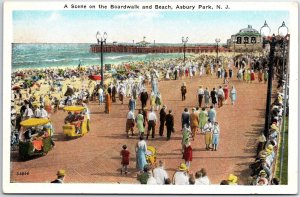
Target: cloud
{"points": [[54, 17]]}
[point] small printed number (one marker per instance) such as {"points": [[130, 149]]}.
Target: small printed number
{"points": [[23, 173]]}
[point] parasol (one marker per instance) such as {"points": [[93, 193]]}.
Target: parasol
{"points": [[95, 77], [16, 88]]}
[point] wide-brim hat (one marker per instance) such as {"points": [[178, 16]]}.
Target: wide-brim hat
{"points": [[274, 127], [232, 178], [61, 173], [269, 149], [262, 172], [182, 167]]}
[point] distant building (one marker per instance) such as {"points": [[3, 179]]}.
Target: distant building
{"points": [[246, 40]]}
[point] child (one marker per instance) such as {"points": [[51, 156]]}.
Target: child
{"points": [[125, 159]]}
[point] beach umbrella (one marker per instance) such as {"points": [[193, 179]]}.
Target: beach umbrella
{"points": [[95, 77], [16, 88], [20, 75]]}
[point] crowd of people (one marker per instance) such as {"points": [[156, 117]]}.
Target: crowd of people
{"points": [[132, 89]]}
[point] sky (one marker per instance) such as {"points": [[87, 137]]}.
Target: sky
{"points": [[80, 26]]}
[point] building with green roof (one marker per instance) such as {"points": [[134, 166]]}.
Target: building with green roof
{"points": [[247, 39]]}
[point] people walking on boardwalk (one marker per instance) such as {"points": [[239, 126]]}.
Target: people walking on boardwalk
{"points": [[122, 92], [186, 137], [221, 96], [185, 118], [266, 75], [131, 104], [140, 123], [208, 134], [152, 100], [203, 116], [125, 159], [260, 76], [212, 114], [162, 118], [215, 136], [213, 96], [225, 76], [107, 103], [206, 97], [151, 123], [100, 96], [188, 154], [169, 124], [160, 174], [226, 93], [252, 76], [158, 101], [233, 95], [144, 98], [130, 122], [194, 118], [200, 96], [141, 150], [113, 93], [183, 91]]}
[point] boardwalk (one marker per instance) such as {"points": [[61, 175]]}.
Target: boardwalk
{"points": [[95, 157]]}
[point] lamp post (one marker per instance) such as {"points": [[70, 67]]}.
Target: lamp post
{"points": [[101, 40], [184, 41], [265, 31], [282, 32], [217, 41], [234, 41]]}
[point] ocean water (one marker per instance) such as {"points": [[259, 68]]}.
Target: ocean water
{"points": [[69, 55]]}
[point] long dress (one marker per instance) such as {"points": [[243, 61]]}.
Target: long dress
{"points": [[107, 103], [202, 119], [140, 123], [141, 155], [226, 93], [152, 101], [233, 95], [252, 76], [206, 97]]}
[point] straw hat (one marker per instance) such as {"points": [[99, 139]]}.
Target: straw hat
{"points": [[262, 172], [61, 173], [274, 127], [232, 178], [269, 148], [182, 167]]}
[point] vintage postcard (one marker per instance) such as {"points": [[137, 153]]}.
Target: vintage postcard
{"points": [[116, 97]]}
